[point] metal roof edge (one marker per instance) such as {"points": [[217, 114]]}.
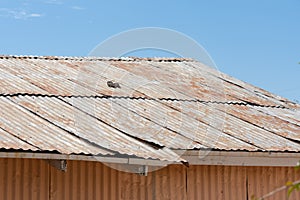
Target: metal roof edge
{"points": [[194, 157], [103, 159], [242, 158]]}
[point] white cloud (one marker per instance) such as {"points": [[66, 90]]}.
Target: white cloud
{"points": [[18, 14], [35, 15], [77, 8], [56, 2]]}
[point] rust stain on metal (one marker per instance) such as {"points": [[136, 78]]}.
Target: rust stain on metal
{"points": [[83, 125], [38, 132], [166, 103], [32, 179]]}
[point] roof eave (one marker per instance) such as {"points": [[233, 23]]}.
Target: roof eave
{"points": [[194, 157]]}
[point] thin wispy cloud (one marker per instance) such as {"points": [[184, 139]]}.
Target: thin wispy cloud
{"points": [[77, 8], [56, 2], [19, 14], [35, 15]]}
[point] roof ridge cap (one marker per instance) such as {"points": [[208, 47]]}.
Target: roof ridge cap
{"points": [[94, 58]]}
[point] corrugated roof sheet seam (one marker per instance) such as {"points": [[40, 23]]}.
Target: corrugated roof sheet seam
{"points": [[64, 104], [144, 141], [244, 103]]}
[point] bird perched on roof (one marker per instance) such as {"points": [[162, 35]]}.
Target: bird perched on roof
{"points": [[113, 85]]}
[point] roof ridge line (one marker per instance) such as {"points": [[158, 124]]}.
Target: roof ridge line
{"points": [[242, 103], [93, 58]]}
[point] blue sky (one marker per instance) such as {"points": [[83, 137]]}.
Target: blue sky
{"points": [[255, 41]]}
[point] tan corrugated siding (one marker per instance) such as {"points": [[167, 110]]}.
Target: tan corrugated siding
{"points": [[264, 180], [34, 180], [216, 182], [84, 180], [92, 180], [24, 179]]}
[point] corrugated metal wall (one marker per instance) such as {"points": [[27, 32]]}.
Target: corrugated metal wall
{"points": [[24, 179], [276, 177], [91, 180], [35, 179], [217, 182]]}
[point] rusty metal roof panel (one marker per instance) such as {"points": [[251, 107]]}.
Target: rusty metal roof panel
{"points": [[292, 116], [239, 90], [119, 115], [75, 120], [9, 141], [12, 84], [181, 122], [171, 80], [44, 76], [233, 121], [40, 133], [187, 79], [269, 119], [64, 104]]}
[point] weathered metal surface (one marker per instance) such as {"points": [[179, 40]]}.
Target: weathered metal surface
{"points": [[188, 106], [157, 78], [229, 182], [77, 122], [270, 120], [9, 141], [181, 122], [24, 179], [10, 83], [140, 125], [181, 80], [270, 182], [217, 182], [43, 135], [243, 126], [31, 179], [239, 90], [47, 76]]}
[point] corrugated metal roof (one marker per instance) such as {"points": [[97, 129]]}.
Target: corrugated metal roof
{"points": [[64, 104]]}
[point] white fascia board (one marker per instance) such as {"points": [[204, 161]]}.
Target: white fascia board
{"points": [[235, 158], [194, 157]]}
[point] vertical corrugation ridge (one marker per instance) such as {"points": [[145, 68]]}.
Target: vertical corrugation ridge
{"points": [[227, 181], [213, 191], [216, 182], [49, 184], [25, 179], [186, 178], [31, 179], [153, 188], [269, 182], [112, 187]]}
